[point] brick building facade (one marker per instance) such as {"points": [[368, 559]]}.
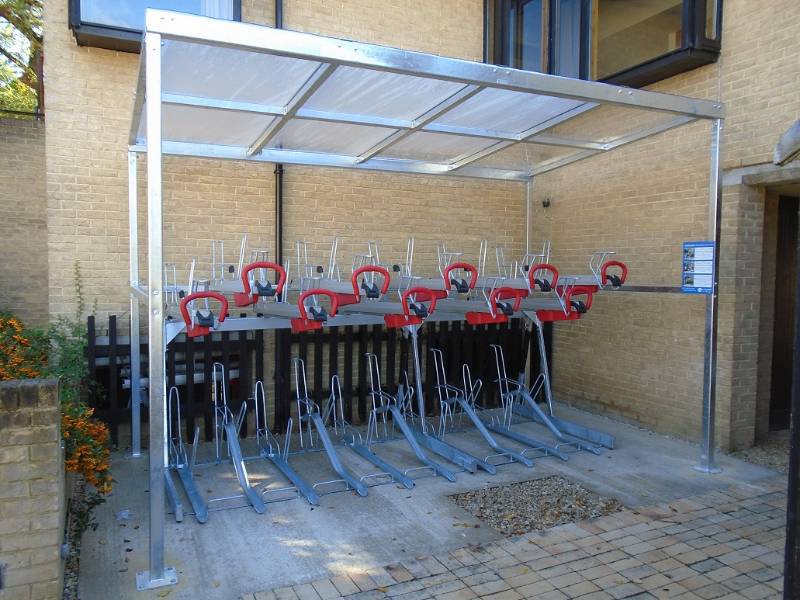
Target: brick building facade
{"points": [[639, 356]]}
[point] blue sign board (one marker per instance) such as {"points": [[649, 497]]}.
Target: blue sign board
{"points": [[697, 274]]}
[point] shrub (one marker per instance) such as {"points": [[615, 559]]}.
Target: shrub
{"points": [[86, 446], [60, 351], [23, 354]]}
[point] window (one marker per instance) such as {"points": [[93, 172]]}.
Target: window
{"points": [[522, 33], [566, 20], [118, 25], [618, 41]]}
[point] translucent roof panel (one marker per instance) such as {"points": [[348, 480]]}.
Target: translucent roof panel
{"points": [[387, 95], [503, 110], [525, 157], [436, 147], [607, 123], [250, 92], [209, 126], [217, 72], [331, 138]]}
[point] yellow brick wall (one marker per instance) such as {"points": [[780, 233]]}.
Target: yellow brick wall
{"points": [[637, 356], [204, 200], [641, 355], [23, 245], [32, 505], [760, 77]]}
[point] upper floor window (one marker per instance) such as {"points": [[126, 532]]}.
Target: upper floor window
{"points": [[618, 41], [118, 25]]}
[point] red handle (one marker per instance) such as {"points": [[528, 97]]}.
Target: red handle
{"points": [[371, 269], [497, 316], [247, 298], [614, 263], [580, 290], [569, 314], [505, 293], [473, 278], [426, 294], [194, 331], [543, 267], [317, 292]]}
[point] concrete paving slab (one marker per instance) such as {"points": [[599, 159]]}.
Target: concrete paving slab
{"points": [[238, 551]]}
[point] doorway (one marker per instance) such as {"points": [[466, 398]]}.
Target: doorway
{"points": [[785, 297]]}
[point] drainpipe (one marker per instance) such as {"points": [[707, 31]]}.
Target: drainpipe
{"points": [[278, 14], [281, 404], [279, 213], [279, 169], [487, 23]]}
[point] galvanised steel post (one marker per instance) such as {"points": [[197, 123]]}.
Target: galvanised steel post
{"points": [[707, 459], [791, 567], [133, 276], [158, 575]]}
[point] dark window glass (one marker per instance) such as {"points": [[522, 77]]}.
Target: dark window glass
{"points": [[567, 38], [532, 36], [628, 42], [712, 26], [631, 33], [511, 38], [118, 24], [130, 13]]}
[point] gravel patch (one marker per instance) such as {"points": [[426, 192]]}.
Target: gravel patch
{"points": [[772, 452], [517, 508]]}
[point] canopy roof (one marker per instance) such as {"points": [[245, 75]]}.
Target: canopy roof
{"points": [[239, 91]]}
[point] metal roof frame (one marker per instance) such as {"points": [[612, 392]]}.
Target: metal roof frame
{"points": [[329, 55], [469, 78]]}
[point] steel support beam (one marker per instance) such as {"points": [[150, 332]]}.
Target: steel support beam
{"points": [[461, 96], [138, 102], [533, 135], [133, 276], [220, 104], [616, 143], [311, 85], [423, 123], [158, 574], [791, 565], [528, 209], [708, 463], [330, 160]]}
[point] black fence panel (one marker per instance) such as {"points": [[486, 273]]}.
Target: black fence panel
{"points": [[189, 365], [190, 362]]}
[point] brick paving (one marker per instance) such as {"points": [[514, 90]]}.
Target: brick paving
{"points": [[726, 544]]}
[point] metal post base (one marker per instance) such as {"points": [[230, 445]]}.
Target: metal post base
{"points": [[143, 581], [707, 469]]}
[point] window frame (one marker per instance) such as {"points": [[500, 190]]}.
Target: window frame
{"points": [[110, 37], [696, 49]]}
